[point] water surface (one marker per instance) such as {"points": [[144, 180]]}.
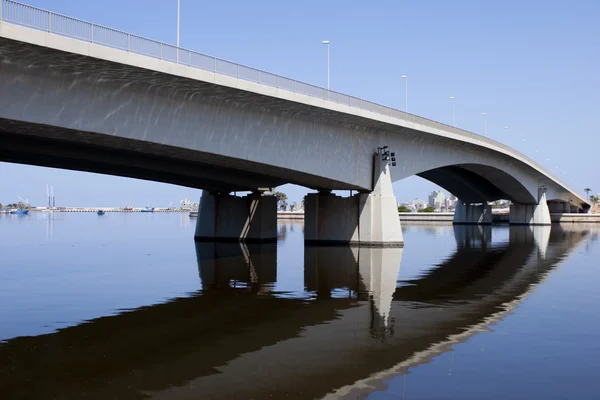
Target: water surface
{"points": [[127, 306]]}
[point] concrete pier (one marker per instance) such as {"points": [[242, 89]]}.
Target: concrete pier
{"points": [[531, 214], [365, 219], [227, 218], [472, 214]]}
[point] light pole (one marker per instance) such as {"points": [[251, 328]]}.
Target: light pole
{"points": [[326, 42], [178, 8], [484, 123], [453, 109], [405, 92]]}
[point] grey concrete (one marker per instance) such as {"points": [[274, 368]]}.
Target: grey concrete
{"points": [[561, 207], [251, 218], [576, 218], [530, 214], [426, 217], [363, 219], [72, 104], [469, 214], [290, 215]]}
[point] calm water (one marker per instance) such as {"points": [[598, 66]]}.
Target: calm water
{"points": [[127, 306]]}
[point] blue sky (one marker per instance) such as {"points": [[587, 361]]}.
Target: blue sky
{"points": [[531, 66]]}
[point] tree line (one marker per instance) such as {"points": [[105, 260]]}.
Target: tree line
{"points": [[282, 202], [20, 204]]}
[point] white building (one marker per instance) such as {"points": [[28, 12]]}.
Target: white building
{"points": [[450, 202], [186, 204], [417, 204]]}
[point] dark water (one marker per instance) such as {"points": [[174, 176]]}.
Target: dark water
{"points": [[127, 306]]}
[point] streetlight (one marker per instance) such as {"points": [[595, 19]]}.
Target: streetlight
{"points": [[484, 123], [177, 50], [453, 118], [327, 43], [405, 92], [178, 8]]}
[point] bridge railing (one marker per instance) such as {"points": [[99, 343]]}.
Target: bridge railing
{"points": [[33, 17]]}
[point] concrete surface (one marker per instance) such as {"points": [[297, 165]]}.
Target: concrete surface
{"points": [[525, 214], [469, 214], [251, 218], [363, 219]]}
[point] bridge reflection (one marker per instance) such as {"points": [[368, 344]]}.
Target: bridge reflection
{"points": [[237, 338]]}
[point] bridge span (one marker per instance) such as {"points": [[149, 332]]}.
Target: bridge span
{"points": [[82, 96]]}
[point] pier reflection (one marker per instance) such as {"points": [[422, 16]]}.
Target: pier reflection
{"points": [[237, 265], [237, 338], [363, 273]]}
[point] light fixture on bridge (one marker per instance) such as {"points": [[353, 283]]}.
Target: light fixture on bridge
{"points": [[386, 155]]}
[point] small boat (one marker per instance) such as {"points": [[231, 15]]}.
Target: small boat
{"points": [[147, 209], [100, 212], [19, 211]]}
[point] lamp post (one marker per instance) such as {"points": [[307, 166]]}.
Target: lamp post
{"points": [[178, 12], [453, 109], [326, 42], [405, 77], [484, 123]]}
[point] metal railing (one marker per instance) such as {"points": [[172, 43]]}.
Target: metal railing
{"points": [[25, 15], [58, 24]]}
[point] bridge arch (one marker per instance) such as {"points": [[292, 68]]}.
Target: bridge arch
{"points": [[476, 183]]}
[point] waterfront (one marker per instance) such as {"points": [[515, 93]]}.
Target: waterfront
{"points": [[128, 306]]}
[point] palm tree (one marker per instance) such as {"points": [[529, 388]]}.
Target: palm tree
{"points": [[587, 191], [281, 200]]}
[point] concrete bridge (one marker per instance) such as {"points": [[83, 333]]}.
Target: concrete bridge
{"points": [[81, 96]]}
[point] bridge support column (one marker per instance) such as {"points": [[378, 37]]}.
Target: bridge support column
{"points": [[472, 214], [556, 207], [365, 219], [531, 214], [226, 218], [561, 207]]}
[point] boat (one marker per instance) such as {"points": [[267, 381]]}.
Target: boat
{"points": [[19, 211], [147, 209], [100, 212]]}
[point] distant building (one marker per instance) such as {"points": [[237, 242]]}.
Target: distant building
{"points": [[450, 202], [436, 199], [501, 204], [416, 204], [185, 204]]}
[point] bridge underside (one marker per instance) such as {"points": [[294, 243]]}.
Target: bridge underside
{"points": [[473, 183], [49, 146]]}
